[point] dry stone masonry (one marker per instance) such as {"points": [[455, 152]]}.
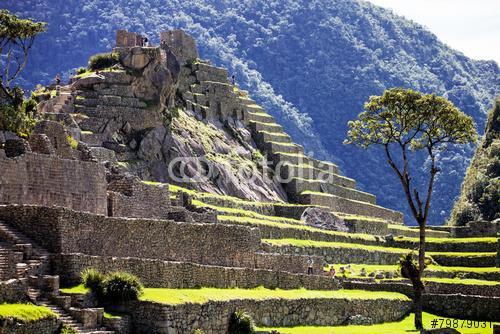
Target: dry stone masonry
{"points": [[91, 188]]}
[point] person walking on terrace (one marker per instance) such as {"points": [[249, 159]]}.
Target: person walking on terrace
{"points": [[310, 264]]}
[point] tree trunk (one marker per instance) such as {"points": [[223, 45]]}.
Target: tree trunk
{"points": [[419, 287]]}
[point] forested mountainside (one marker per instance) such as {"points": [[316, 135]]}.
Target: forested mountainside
{"points": [[480, 195], [310, 63]]}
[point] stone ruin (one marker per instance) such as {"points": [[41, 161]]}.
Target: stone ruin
{"points": [[67, 207], [126, 39]]}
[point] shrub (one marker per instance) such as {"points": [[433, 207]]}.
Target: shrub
{"points": [[121, 287], [241, 322], [81, 70], [103, 60], [72, 142], [92, 279], [19, 119]]}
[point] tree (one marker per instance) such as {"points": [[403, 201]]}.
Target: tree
{"points": [[16, 39], [405, 122]]}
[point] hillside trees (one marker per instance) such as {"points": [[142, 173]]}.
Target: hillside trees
{"points": [[404, 122], [16, 40]]}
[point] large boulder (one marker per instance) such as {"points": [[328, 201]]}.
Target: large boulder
{"points": [[323, 219]]}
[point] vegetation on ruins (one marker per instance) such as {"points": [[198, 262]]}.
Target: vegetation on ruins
{"points": [[16, 40], [117, 287], [480, 196], [240, 322], [25, 312], [405, 122], [101, 61], [67, 330]]}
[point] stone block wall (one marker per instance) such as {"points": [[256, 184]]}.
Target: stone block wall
{"points": [[125, 38], [213, 317], [60, 230], [180, 43], [38, 179], [129, 197], [339, 255], [14, 290], [45, 326], [181, 275], [463, 306]]}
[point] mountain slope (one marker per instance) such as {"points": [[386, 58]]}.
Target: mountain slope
{"points": [[480, 196], [321, 57]]}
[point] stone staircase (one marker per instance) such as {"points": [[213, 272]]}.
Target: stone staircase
{"points": [[33, 260], [32, 263], [306, 180], [69, 321]]}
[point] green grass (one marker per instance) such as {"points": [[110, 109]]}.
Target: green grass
{"points": [[461, 281], [79, 289], [380, 267], [203, 295], [462, 254], [109, 315], [25, 312], [489, 240], [233, 212], [328, 244], [401, 327]]}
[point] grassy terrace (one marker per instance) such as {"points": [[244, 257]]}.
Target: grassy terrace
{"points": [[485, 273], [401, 327], [203, 295], [25, 312], [327, 244]]}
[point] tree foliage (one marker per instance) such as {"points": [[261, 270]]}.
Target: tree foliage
{"points": [[404, 122], [16, 39]]}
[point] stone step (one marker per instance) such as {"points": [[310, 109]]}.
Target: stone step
{"points": [[344, 205], [92, 139], [304, 171], [267, 127], [297, 186], [255, 115], [200, 99], [246, 101], [196, 88], [273, 147], [206, 72], [288, 158], [92, 124], [263, 136]]}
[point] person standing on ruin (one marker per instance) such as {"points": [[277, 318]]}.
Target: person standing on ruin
{"points": [[233, 80], [58, 79], [310, 264]]}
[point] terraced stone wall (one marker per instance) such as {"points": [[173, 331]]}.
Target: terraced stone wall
{"points": [[65, 231], [463, 306], [38, 179], [14, 290], [46, 326], [129, 197], [181, 275], [213, 317]]}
